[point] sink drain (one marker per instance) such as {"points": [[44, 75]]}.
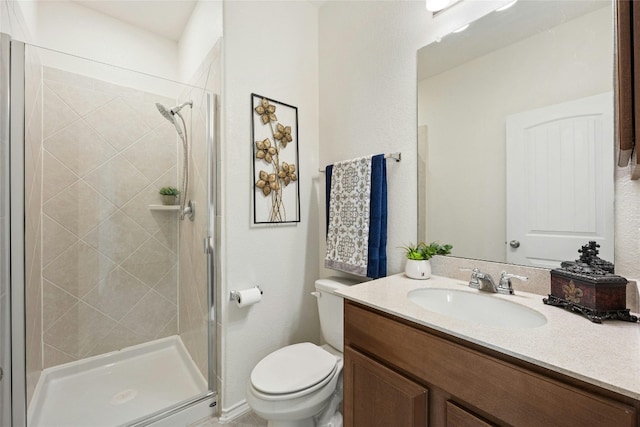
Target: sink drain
{"points": [[123, 396]]}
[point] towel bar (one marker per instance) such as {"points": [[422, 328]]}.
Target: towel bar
{"points": [[395, 156]]}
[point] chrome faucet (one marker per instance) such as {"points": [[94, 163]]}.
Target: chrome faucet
{"points": [[482, 281], [504, 287]]}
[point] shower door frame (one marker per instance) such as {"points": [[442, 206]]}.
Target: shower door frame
{"points": [[12, 188], [16, 190], [210, 398], [5, 270]]}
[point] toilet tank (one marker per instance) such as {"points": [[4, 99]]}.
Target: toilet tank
{"points": [[330, 309]]}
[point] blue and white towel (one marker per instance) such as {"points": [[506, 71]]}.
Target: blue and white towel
{"points": [[357, 216]]}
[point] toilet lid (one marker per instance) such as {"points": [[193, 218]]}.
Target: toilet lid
{"points": [[292, 368]]}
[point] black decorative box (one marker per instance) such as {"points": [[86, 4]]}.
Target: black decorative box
{"points": [[589, 287]]}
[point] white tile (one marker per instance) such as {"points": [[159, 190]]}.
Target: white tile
{"points": [[116, 294], [118, 123], [79, 148], [155, 153], [117, 180], [78, 330], [57, 176], [150, 316], [55, 303], [116, 237], [150, 262], [79, 208], [55, 239], [80, 99], [78, 269], [56, 114]]}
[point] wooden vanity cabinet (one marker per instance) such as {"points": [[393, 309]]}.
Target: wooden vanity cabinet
{"points": [[392, 399], [398, 373]]}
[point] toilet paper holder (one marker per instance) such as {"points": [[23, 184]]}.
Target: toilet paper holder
{"points": [[235, 295]]}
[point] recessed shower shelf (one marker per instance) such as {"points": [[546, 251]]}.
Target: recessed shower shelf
{"points": [[164, 207]]}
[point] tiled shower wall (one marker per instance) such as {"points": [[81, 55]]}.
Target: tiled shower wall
{"points": [[193, 306], [33, 220], [108, 262]]}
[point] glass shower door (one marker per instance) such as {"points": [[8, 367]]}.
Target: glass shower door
{"points": [[116, 295], [5, 317]]}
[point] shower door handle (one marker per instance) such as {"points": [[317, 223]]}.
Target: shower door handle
{"points": [[1, 373], [208, 245]]}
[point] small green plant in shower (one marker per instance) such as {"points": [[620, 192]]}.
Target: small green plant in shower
{"points": [[281, 174], [169, 195]]}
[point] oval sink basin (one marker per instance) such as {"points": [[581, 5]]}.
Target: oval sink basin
{"points": [[477, 308]]}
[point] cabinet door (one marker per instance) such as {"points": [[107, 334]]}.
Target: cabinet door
{"points": [[376, 396], [460, 417]]}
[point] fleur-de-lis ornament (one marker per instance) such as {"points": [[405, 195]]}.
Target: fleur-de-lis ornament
{"points": [[571, 293]]}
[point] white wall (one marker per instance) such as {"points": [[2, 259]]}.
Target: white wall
{"points": [[68, 27], [368, 101], [18, 19], [71, 28], [270, 48], [199, 36], [368, 95], [91, 40]]}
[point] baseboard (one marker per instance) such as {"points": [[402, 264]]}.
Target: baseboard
{"points": [[236, 411]]}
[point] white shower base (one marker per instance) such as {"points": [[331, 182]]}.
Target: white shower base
{"points": [[116, 388]]}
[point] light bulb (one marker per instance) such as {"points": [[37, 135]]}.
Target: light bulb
{"points": [[506, 6], [436, 5], [461, 29]]}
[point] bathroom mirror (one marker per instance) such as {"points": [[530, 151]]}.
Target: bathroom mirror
{"points": [[515, 134]]}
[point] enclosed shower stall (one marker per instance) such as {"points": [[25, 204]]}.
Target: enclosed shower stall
{"points": [[107, 310]]}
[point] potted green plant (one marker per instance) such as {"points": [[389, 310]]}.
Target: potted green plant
{"points": [[169, 195], [418, 256]]}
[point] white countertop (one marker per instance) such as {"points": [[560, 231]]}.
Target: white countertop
{"points": [[607, 354]]}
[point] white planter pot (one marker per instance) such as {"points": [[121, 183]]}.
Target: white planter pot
{"points": [[169, 200], [418, 269]]}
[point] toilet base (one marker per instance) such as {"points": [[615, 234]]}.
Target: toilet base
{"points": [[334, 421], [309, 422]]}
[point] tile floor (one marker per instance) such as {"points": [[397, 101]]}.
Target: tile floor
{"points": [[247, 420]]}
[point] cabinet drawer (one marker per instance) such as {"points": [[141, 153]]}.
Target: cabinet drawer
{"points": [[460, 417], [509, 393]]}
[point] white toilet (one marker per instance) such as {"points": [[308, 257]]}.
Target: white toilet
{"points": [[301, 385]]}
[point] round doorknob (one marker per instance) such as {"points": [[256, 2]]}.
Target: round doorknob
{"points": [[514, 244]]}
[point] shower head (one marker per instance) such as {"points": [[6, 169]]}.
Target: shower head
{"points": [[165, 113], [170, 114]]}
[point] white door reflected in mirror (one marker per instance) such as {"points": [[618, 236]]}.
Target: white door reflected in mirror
{"points": [[560, 162]]}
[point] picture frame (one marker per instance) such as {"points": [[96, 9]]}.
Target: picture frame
{"points": [[274, 142]]}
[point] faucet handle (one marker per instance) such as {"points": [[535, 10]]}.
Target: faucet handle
{"points": [[504, 287], [473, 281]]}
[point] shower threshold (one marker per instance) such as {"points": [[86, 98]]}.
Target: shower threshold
{"points": [[116, 388]]}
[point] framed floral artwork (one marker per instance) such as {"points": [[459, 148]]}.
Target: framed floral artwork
{"points": [[274, 142]]}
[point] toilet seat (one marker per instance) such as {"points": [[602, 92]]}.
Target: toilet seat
{"points": [[293, 371]]}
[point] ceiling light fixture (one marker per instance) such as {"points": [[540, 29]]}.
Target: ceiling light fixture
{"points": [[506, 6], [436, 5], [461, 29]]}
